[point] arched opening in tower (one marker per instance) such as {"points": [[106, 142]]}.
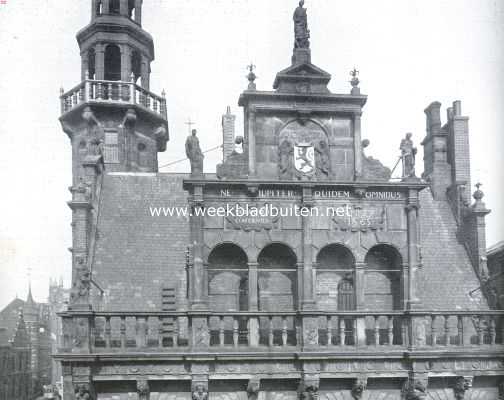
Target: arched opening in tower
{"points": [[99, 7], [131, 9], [112, 63], [91, 63], [115, 6], [136, 64]]}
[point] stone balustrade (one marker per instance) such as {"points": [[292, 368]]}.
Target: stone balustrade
{"points": [[102, 332], [113, 92]]}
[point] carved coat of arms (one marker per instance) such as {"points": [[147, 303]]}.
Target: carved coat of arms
{"points": [[304, 158]]}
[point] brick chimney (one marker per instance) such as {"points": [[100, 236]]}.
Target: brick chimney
{"points": [[228, 133], [437, 170], [458, 149]]}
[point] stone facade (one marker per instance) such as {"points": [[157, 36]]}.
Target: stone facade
{"points": [[358, 287]]}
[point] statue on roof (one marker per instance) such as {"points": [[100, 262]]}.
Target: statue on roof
{"points": [[301, 31], [194, 153], [408, 153]]}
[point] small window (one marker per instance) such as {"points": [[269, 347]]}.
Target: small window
{"points": [[131, 9], [91, 63]]}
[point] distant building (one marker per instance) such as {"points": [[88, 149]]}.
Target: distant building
{"points": [[43, 328], [15, 365]]}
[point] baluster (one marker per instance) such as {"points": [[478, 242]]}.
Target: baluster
{"points": [[376, 330], [74, 99], [108, 332], [390, 330], [147, 100], [492, 330], [99, 90], [221, 330], [481, 330], [81, 94], [433, 330], [354, 333], [109, 91], [175, 333], [140, 332], [155, 105], [92, 333], [342, 332], [284, 331], [447, 330], [160, 332], [329, 330], [123, 332], [270, 332], [92, 88], [297, 327], [460, 330], [162, 106], [236, 333], [120, 92], [502, 330]]}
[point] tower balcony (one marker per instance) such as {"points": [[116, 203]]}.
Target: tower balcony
{"points": [[282, 334], [119, 93]]}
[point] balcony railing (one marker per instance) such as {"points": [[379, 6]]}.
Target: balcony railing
{"points": [[102, 332], [113, 92]]}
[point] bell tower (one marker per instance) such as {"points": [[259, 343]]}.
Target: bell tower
{"points": [[111, 112], [114, 122]]}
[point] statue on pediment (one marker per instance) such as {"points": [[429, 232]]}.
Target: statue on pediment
{"points": [[301, 31]]}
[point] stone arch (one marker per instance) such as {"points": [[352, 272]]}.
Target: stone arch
{"points": [[228, 278], [277, 278], [302, 122], [383, 276], [91, 63], [335, 266]]}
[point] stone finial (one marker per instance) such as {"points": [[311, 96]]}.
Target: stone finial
{"points": [[355, 81], [163, 94], [62, 91], [478, 194], [132, 77], [251, 77]]}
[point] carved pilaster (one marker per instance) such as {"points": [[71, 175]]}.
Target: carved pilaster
{"points": [[143, 389], [501, 390], [462, 385], [200, 333], [199, 390], [413, 247], [309, 388], [253, 388], [308, 284], [415, 388], [358, 388], [251, 141], [83, 391]]}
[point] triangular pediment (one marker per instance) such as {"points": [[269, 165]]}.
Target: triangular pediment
{"points": [[304, 77], [304, 70]]}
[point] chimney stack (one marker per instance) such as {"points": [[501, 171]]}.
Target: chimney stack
{"points": [[228, 133]]}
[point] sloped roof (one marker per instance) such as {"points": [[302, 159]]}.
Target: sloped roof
{"points": [[447, 275], [9, 318]]}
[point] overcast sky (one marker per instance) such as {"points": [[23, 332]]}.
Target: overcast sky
{"points": [[409, 53]]}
